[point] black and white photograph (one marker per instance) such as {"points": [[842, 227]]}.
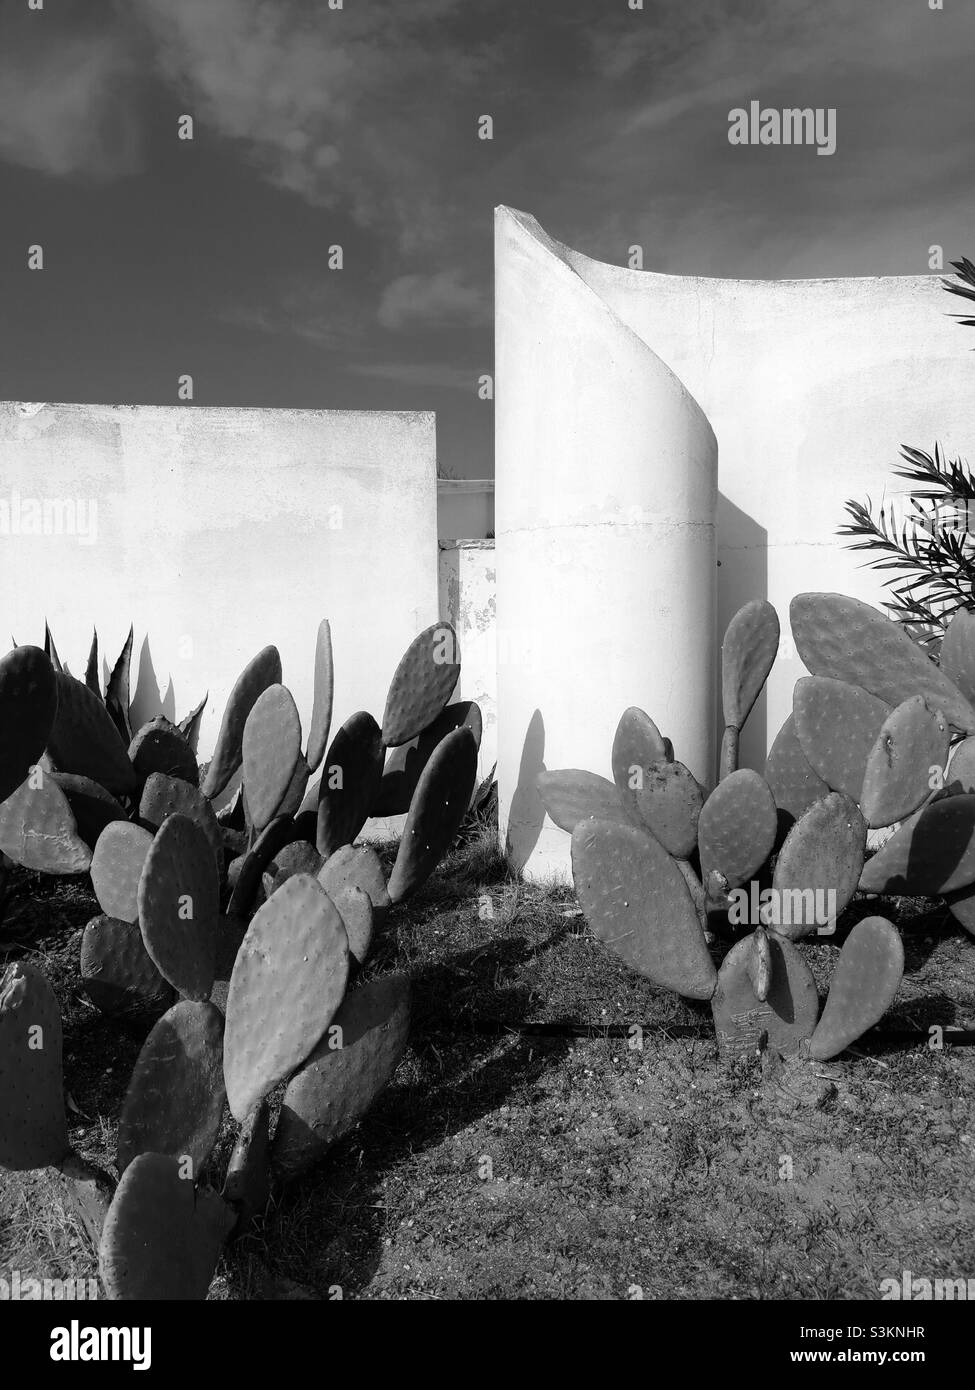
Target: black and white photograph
{"points": [[487, 670]]}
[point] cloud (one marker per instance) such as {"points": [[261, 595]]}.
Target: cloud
{"points": [[65, 107], [441, 375], [433, 299]]}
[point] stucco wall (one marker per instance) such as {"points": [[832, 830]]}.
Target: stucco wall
{"points": [[606, 488], [811, 387], [219, 531], [467, 600]]}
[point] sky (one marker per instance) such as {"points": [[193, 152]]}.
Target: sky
{"points": [[358, 127]]}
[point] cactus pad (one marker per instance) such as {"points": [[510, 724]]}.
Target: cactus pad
{"points": [[247, 1186], [179, 905], [357, 866], [351, 775], [439, 805], [743, 1021], [818, 867], [422, 684], [116, 867], [160, 747], [960, 776], [91, 805], [175, 1099], [162, 1239], [751, 642], [636, 744], [932, 852], [794, 784], [737, 827], [38, 829], [850, 641], [837, 726], [905, 764], [571, 795], [405, 763], [957, 656], [669, 804], [28, 708], [264, 670], [355, 909], [321, 710], [164, 796], [637, 902], [338, 1083], [287, 984], [865, 980], [33, 1133], [295, 791], [117, 971], [271, 749], [84, 740]]}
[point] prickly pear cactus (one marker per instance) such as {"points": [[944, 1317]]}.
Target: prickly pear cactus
{"points": [[28, 708], [669, 804], [351, 777], [849, 641], [321, 711], [354, 1061], [737, 828], [34, 1131], [175, 1098], [264, 670], [38, 829], [933, 851], [439, 805], [84, 740], [751, 643], [818, 867], [164, 796], [863, 986], [287, 984], [637, 902], [271, 749], [571, 795], [405, 763], [905, 764], [780, 1014], [837, 726], [637, 744], [179, 905], [116, 868], [162, 1238], [160, 747], [422, 684], [117, 970], [357, 867]]}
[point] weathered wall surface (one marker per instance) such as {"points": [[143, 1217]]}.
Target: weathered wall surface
{"points": [[217, 531], [468, 587], [606, 489], [811, 388]]}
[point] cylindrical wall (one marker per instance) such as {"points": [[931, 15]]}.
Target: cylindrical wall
{"points": [[606, 479]]}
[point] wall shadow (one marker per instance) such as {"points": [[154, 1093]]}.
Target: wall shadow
{"points": [[526, 814]]}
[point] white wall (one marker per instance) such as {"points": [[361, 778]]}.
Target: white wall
{"points": [[606, 487], [811, 388], [468, 587], [219, 531]]}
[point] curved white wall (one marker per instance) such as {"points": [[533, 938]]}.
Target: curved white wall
{"points": [[811, 388], [606, 488]]}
